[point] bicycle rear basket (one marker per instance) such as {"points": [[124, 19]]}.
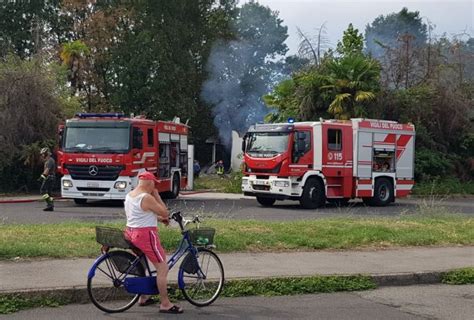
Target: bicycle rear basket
{"points": [[111, 237], [202, 236]]}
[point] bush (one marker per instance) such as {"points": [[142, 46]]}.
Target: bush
{"points": [[429, 164]]}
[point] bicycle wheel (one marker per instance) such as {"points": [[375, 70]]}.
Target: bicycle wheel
{"points": [[201, 288], [105, 281]]}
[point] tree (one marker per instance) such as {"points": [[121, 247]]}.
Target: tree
{"points": [[388, 32], [157, 66], [352, 42], [74, 56], [310, 48], [29, 92], [242, 70], [398, 41], [353, 80]]}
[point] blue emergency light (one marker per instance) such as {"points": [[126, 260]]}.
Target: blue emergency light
{"points": [[291, 120], [100, 115]]}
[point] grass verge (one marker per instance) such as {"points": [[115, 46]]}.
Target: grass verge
{"points": [[459, 276], [67, 240], [14, 303], [234, 288]]}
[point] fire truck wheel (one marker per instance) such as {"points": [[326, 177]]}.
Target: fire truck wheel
{"points": [[174, 193], [266, 202], [383, 193], [80, 201], [313, 194]]}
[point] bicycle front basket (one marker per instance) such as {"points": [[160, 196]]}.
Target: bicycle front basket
{"points": [[111, 237], [202, 236]]}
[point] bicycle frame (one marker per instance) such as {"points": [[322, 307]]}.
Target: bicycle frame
{"points": [[184, 246]]}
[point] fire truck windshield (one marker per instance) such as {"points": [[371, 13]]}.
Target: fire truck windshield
{"points": [[271, 143], [97, 139]]}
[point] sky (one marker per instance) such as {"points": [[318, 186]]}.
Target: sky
{"points": [[450, 17]]}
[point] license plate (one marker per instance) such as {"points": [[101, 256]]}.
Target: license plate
{"points": [[263, 183], [93, 184]]}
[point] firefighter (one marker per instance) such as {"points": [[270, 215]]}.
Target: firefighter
{"points": [[47, 179], [196, 169], [220, 168]]}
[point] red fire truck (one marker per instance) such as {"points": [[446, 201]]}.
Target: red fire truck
{"points": [[101, 154], [331, 160]]}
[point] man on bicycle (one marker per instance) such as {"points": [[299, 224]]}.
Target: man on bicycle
{"points": [[144, 207]]}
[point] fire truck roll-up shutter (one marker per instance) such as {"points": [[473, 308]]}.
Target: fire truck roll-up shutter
{"points": [[405, 156], [183, 143], [175, 137], [164, 137], [364, 155]]}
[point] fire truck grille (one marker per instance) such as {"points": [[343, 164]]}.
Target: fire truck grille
{"points": [[259, 187], [274, 170], [93, 189], [93, 172]]}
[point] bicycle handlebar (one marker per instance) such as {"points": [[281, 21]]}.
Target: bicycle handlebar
{"points": [[176, 216]]}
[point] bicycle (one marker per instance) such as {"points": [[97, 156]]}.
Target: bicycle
{"points": [[118, 278]]}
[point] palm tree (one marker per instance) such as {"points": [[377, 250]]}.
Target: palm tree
{"points": [[353, 81], [72, 54]]}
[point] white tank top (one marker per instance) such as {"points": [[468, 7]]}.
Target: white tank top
{"points": [[136, 216]]}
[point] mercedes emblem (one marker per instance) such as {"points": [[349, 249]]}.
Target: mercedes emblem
{"points": [[93, 170]]}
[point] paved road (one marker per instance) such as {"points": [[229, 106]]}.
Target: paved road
{"points": [[232, 209], [410, 303]]}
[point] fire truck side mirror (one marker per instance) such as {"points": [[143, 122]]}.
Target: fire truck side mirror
{"points": [[60, 137], [244, 143]]}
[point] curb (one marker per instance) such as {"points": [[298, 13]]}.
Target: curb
{"points": [[28, 200], [78, 294]]}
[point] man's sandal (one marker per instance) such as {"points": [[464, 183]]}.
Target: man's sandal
{"points": [[148, 302], [174, 309]]}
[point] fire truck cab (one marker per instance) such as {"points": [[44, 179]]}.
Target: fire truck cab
{"points": [[329, 160], [100, 155]]}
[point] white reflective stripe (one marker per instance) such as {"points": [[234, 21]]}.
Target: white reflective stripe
{"points": [[155, 245], [298, 165], [336, 166], [364, 187], [145, 155], [404, 186]]}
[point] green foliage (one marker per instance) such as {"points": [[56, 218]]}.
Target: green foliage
{"points": [[459, 276], [385, 31], [430, 163], [282, 98], [14, 303], [29, 91], [352, 42], [341, 87], [28, 26]]}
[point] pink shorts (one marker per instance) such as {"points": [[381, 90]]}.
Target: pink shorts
{"points": [[146, 239]]}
